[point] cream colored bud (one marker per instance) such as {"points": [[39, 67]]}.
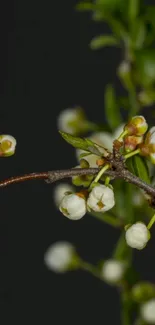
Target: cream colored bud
{"points": [[101, 199]]}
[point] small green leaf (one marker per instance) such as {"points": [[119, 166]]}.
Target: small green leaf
{"points": [[145, 63], [81, 143], [138, 166], [112, 111], [102, 41], [85, 6], [133, 9]]}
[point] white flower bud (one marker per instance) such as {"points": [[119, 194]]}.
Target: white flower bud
{"points": [[150, 141], [113, 271], [70, 120], [137, 235], [101, 199], [60, 191], [58, 256], [137, 125], [148, 311], [73, 206], [7, 145]]}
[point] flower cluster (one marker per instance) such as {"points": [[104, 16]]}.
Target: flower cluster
{"points": [[75, 205]]}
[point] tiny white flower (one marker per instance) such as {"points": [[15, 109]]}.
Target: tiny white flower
{"points": [[69, 120], [7, 145], [137, 235], [58, 256], [73, 206], [148, 311], [104, 139], [113, 271], [60, 190], [101, 198]]}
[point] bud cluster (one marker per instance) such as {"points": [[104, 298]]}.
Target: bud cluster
{"points": [[75, 205]]}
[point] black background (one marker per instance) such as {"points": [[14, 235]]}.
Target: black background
{"points": [[45, 67]]}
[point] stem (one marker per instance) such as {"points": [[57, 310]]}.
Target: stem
{"points": [[125, 314], [122, 135], [152, 221], [90, 268], [107, 218], [101, 172], [107, 180], [133, 153]]}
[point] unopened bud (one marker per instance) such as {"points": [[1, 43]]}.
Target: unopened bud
{"points": [[73, 206], [143, 291], [137, 235], [136, 126], [113, 271], [60, 256], [101, 198], [148, 311], [71, 120], [7, 145], [150, 144], [131, 142], [60, 190]]}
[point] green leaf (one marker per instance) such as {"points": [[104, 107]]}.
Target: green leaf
{"points": [[150, 15], [112, 111], [138, 166], [85, 6], [81, 143], [133, 9], [138, 34], [145, 63], [102, 41], [111, 5]]}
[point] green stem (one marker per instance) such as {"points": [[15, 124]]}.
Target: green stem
{"points": [[122, 135], [90, 268], [101, 172], [125, 310], [107, 218], [152, 221], [107, 181], [133, 153]]}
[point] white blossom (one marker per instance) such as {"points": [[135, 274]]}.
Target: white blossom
{"points": [[112, 271], [69, 120], [59, 256], [101, 198], [137, 235], [148, 311], [104, 139], [73, 206], [7, 144], [60, 190]]}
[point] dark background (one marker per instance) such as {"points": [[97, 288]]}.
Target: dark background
{"points": [[45, 67]]}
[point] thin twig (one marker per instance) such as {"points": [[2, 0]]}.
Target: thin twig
{"points": [[53, 176]]}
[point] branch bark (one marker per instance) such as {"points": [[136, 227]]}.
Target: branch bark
{"points": [[53, 176]]}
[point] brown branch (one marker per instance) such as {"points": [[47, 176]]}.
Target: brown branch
{"points": [[53, 176]]}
